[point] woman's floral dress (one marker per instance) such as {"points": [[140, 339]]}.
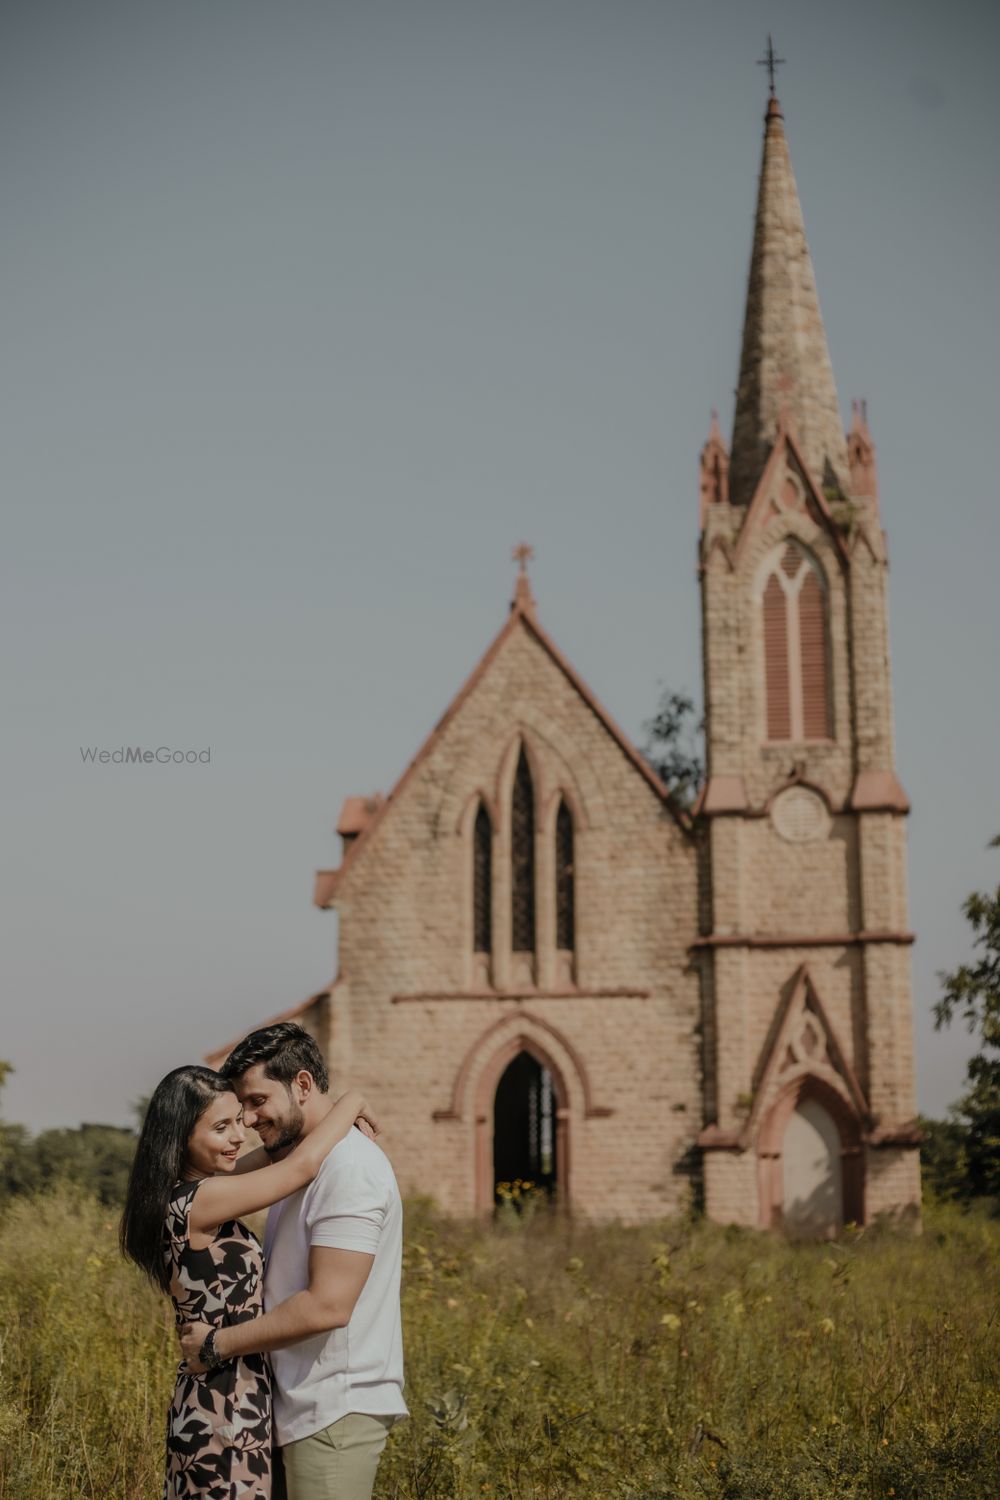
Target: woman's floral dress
{"points": [[219, 1427]]}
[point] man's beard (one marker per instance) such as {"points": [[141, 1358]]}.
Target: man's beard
{"points": [[289, 1133]]}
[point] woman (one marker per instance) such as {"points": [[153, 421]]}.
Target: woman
{"points": [[187, 1190]]}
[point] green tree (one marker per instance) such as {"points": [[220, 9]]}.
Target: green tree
{"points": [[972, 992], [944, 1158], [18, 1173], [672, 745], [95, 1158]]}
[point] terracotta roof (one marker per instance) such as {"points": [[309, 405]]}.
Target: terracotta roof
{"points": [[522, 614]]}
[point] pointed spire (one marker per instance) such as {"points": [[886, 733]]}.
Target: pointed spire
{"points": [[785, 370]]}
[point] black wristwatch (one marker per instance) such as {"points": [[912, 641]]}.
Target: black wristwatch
{"points": [[208, 1355]]}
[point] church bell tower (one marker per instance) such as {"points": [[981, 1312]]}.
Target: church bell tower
{"points": [[809, 1109]]}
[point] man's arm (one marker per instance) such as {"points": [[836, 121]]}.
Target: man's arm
{"points": [[336, 1280]]}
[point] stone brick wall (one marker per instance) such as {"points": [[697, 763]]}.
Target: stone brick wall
{"points": [[418, 1025], [812, 898], [800, 888]]}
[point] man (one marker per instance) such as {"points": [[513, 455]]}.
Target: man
{"points": [[332, 1254]]}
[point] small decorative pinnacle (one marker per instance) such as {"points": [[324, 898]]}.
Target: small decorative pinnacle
{"points": [[861, 453], [770, 62], [523, 597], [714, 470]]}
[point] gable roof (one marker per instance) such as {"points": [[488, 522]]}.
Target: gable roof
{"points": [[522, 615]]}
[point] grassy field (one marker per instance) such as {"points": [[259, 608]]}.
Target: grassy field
{"points": [[552, 1359]]}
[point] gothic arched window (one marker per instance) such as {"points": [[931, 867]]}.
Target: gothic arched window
{"points": [[522, 859], [565, 917], [796, 652], [482, 883]]}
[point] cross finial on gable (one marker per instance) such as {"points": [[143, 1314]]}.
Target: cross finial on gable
{"points": [[522, 555], [523, 597]]}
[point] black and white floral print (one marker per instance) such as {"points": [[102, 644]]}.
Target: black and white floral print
{"points": [[219, 1426]]}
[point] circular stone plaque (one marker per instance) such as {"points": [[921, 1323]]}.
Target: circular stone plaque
{"points": [[799, 816]]}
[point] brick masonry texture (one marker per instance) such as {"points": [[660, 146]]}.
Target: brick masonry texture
{"points": [[632, 1021]]}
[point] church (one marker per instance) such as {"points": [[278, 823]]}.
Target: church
{"points": [[551, 973]]}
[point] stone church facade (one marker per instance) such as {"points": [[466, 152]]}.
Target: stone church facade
{"points": [[549, 971]]}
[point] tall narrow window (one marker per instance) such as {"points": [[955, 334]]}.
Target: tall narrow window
{"points": [[812, 650], [564, 878], [522, 858], [796, 653], [779, 720], [482, 883]]}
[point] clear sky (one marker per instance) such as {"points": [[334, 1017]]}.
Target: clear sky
{"points": [[310, 311]]}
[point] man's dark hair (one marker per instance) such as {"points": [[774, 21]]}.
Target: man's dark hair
{"points": [[285, 1050]]}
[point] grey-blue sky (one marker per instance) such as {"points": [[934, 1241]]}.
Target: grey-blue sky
{"points": [[309, 312]]}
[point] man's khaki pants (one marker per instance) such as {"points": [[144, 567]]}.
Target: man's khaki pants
{"points": [[338, 1463]]}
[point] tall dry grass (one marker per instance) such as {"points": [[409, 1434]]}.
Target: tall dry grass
{"points": [[555, 1359]]}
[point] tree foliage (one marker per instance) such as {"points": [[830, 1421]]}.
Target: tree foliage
{"points": [[944, 1159], [972, 992], [95, 1158], [672, 745]]}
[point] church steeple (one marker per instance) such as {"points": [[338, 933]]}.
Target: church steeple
{"points": [[785, 371]]}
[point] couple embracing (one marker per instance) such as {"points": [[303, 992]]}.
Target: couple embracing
{"points": [[293, 1368]]}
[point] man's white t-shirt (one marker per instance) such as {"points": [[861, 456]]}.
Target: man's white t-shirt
{"points": [[352, 1204]]}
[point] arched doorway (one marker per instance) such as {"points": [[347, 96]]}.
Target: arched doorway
{"points": [[810, 1162], [478, 1083], [812, 1172], [525, 1128]]}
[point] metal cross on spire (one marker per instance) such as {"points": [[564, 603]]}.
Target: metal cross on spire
{"points": [[770, 62]]}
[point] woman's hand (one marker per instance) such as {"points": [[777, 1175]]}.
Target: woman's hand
{"points": [[367, 1123], [191, 1336]]}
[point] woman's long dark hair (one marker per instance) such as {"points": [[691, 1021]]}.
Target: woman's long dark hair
{"points": [[178, 1102]]}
